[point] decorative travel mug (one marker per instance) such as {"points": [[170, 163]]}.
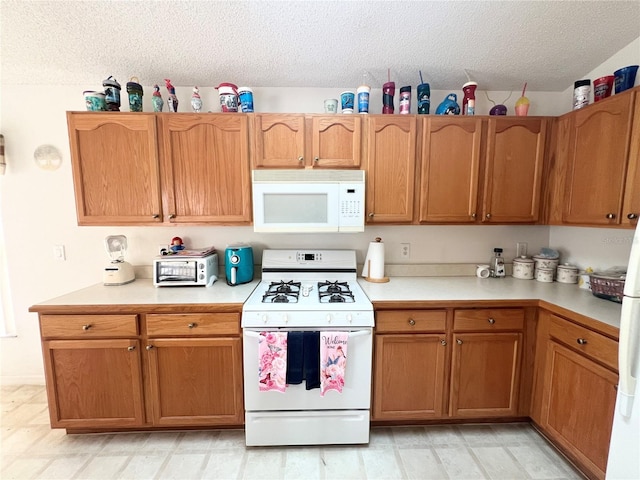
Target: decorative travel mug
{"points": [[134, 89], [363, 93], [331, 105], [388, 91], [405, 100], [112, 94], [424, 101], [347, 99]]}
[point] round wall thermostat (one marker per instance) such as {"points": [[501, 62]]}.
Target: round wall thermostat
{"points": [[47, 157]]}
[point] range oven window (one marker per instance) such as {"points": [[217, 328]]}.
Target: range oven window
{"points": [[285, 208]]}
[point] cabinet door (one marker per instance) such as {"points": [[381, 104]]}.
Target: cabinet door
{"points": [[450, 166], [578, 404], [205, 168], [115, 168], [409, 376], [196, 381], [513, 169], [391, 163], [335, 141], [485, 374], [631, 204], [94, 383], [279, 141], [597, 160]]}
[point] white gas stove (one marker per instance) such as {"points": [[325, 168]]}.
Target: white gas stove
{"points": [[310, 293], [308, 288]]}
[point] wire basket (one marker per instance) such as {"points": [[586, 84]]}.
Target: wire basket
{"points": [[608, 287]]}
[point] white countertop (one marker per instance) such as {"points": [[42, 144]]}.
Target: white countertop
{"points": [[425, 289], [142, 292], [398, 289]]}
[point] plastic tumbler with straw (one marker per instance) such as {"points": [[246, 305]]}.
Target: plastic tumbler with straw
{"points": [[522, 104], [424, 94], [388, 91]]}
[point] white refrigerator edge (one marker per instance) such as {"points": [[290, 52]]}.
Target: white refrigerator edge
{"points": [[624, 449]]}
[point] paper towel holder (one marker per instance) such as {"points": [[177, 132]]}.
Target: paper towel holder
{"points": [[371, 279]]}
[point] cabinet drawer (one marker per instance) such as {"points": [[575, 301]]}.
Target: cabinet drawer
{"points": [[488, 319], [586, 341], [193, 324], [419, 321], [88, 326]]}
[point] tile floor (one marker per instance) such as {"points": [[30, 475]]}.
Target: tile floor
{"points": [[30, 449]]}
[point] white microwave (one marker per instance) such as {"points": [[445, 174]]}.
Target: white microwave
{"points": [[308, 200]]}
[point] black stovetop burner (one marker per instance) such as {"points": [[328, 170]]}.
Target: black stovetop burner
{"points": [[282, 292], [335, 292]]}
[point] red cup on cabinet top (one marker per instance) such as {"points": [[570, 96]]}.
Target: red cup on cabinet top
{"points": [[602, 87]]}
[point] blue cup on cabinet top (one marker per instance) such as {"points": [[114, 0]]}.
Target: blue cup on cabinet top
{"points": [[625, 78], [347, 99]]}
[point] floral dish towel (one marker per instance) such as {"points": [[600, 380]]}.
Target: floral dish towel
{"points": [[333, 360], [272, 361]]}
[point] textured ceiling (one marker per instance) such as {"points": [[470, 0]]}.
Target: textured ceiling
{"points": [[501, 44]]}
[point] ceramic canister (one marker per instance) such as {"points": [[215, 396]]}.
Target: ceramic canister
{"points": [[567, 273], [544, 275], [523, 268], [544, 262]]}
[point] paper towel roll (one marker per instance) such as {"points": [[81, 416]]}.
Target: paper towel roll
{"points": [[374, 261]]}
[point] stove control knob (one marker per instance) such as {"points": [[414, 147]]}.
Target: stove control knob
{"points": [[328, 318], [349, 318], [264, 318], [285, 318]]}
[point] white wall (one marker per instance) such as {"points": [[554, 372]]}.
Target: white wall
{"points": [[38, 210]]}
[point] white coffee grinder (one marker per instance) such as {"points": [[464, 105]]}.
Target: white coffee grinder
{"points": [[118, 272]]}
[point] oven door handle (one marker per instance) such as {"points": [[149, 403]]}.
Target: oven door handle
{"points": [[357, 333]]}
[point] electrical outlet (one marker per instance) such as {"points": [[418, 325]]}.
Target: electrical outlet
{"points": [[58, 253], [405, 251]]}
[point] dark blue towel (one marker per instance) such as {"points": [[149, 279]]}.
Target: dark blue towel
{"points": [[311, 354], [295, 372]]}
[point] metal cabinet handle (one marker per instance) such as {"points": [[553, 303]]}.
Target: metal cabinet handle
{"points": [[459, 342], [488, 215], [581, 341], [412, 322], [192, 325], [611, 216], [443, 343], [301, 159], [155, 215], [149, 347], [371, 215], [316, 159], [632, 216], [473, 215], [131, 348], [172, 216], [86, 327], [491, 321]]}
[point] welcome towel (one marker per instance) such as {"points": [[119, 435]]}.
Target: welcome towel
{"points": [[333, 360], [272, 361]]}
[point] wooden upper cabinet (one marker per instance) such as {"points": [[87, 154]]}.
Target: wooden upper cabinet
{"points": [[335, 141], [391, 165], [597, 151], [206, 174], [513, 169], [279, 141], [450, 168], [298, 141], [115, 168], [631, 203]]}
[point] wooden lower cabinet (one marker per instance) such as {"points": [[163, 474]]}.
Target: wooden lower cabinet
{"points": [[409, 377], [196, 381], [575, 392], [485, 375], [94, 383], [109, 371]]}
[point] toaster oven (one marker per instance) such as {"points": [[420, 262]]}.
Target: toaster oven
{"points": [[169, 271]]}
